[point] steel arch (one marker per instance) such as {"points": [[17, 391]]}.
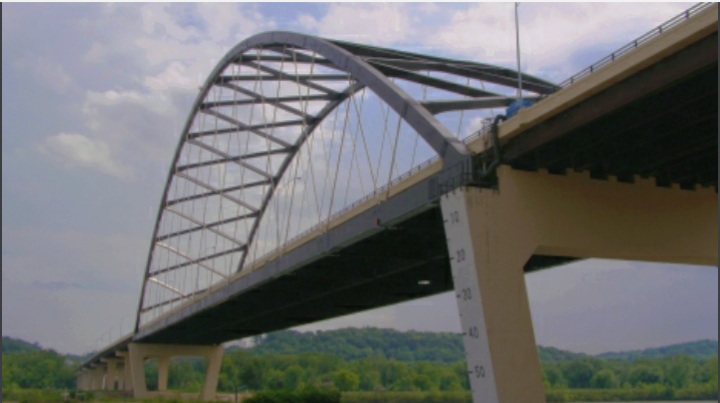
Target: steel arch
{"points": [[366, 66]]}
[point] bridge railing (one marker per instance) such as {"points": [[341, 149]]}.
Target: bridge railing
{"points": [[484, 131], [659, 30], [382, 189]]}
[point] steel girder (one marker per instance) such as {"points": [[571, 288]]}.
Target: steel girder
{"points": [[352, 65]]}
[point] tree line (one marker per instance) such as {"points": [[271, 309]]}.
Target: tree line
{"points": [[387, 361], [384, 360]]}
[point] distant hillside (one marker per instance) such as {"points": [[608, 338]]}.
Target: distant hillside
{"points": [[10, 345], [552, 355], [698, 349], [353, 344]]}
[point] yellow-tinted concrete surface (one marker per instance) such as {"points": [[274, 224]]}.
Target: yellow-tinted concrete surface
{"points": [[574, 216], [577, 216]]}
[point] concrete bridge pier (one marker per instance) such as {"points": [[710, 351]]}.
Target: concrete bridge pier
{"points": [[96, 377], [113, 377], [139, 352], [126, 382], [83, 379], [491, 235]]}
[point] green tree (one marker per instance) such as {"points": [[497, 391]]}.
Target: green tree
{"points": [[151, 374], [645, 373], [293, 378], [370, 380], [553, 376], [680, 371], [449, 381], [182, 376], [273, 380], [346, 380], [423, 382], [579, 372], [604, 379]]}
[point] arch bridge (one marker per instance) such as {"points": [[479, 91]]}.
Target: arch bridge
{"points": [[316, 178]]}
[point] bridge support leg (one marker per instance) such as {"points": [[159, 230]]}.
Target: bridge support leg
{"points": [[163, 364], [493, 233], [138, 353], [503, 364], [111, 373], [127, 374], [97, 377], [81, 380]]}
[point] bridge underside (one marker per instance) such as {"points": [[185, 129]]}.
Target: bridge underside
{"points": [[659, 123], [405, 261]]}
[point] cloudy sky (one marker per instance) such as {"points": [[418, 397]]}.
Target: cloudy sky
{"points": [[94, 97]]}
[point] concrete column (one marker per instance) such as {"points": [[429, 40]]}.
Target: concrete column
{"points": [[81, 380], [492, 234], [90, 378], [503, 364], [87, 380], [102, 377], [212, 374], [111, 372], [163, 364], [137, 371], [139, 352], [127, 375], [120, 375], [98, 375]]}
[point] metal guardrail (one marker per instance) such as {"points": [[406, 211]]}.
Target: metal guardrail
{"points": [[685, 15]]}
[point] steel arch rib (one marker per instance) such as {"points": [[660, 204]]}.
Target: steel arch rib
{"points": [[417, 116]]}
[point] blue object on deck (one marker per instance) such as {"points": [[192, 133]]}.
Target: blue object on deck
{"points": [[516, 106]]}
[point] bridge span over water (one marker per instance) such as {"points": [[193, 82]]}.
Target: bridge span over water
{"points": [[257, 229]]}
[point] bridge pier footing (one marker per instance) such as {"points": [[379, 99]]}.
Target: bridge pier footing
{"points": [[492, 234], [139, 352]]}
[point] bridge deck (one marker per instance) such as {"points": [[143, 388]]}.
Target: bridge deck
{"points": [[653, 113]]}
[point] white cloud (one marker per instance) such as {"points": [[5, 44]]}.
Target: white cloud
{"points": [[157, 21], [483, 32], [175, 76], [77, 150], [233, 22], [49, 72], [377, 23], [168, 57], [139, 126], [550, 34]]}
